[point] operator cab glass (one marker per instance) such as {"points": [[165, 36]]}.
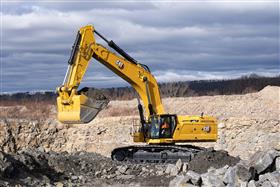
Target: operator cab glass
{"points": [[162, 126]]}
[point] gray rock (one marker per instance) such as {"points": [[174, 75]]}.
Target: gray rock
{"points": [[210, 179], [236, 175], [188, 185], [122, 169], [28, 180], [194, 177], [144, 169], [160, 172], [273, 178], [128, 171], [243, 184], [266, 184], [179, 165], [104, 171], [276, 181], [180, 181], [252, 183], [59, 184], [176, 182], [263, 160], [172, 170], [74, 177], [274, 153], [97, 173], [168, 168], [45, 179], [277, 164], [211, 169], [243, 172], [111, 176], [221, 171], [81, 177], [41, 149], [185, 167], [231, 185], [48, 185], [230, 176]]}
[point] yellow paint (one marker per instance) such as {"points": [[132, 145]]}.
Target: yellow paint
{"points": [[193, 128]]}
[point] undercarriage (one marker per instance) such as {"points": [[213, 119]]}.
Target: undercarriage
{"points": [[156, 153]]}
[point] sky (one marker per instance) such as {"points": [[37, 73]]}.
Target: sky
{"points": [[178, 40]]}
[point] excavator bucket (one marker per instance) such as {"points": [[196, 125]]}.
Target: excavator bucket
{"points": [[83, 108]]}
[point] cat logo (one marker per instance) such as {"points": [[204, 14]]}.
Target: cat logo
{"points": [[120, 64]]}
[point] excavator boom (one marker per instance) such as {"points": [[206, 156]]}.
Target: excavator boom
{"points": [[77, 107]]}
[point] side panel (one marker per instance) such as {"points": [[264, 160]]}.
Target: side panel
{"points": [[195, 129]]}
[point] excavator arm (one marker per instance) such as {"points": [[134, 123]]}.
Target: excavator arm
{"points": [[77, 107]]}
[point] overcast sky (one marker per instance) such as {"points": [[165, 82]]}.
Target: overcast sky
{"points": [[179, 41]]}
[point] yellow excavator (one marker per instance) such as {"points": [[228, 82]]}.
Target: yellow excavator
{"points": [[163, 133]]}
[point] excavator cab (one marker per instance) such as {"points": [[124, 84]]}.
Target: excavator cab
{"points": [[162, 126]]}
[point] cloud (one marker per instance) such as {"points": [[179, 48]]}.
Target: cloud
{"points": [[180, 40], [173, 76]]}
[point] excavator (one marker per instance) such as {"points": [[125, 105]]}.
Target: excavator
{"points": [[165, 135]]}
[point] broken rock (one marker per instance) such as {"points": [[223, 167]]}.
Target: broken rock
{"points": [[221, 171], [237, 175], [194, 177], [277, 164], [185, 167], [209, 179], [230, 176], [242, 173], [122, 169], [273, 179], [172, 170], [252, 183], [179, 181], [179, 165], [261, 161]]}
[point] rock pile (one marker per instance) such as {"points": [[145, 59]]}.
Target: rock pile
{"points": [[39, 168], [261, 170], [20, 134]]}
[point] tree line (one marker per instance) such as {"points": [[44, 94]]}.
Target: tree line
{"points": [[242, 85]]}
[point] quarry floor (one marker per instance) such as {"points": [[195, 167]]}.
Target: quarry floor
{"points": [[46, 152]]}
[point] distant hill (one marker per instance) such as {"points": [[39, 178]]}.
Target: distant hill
{"points": [[242, 85]]}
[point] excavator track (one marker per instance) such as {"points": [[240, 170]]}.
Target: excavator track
{"points": [[155, 153]]}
